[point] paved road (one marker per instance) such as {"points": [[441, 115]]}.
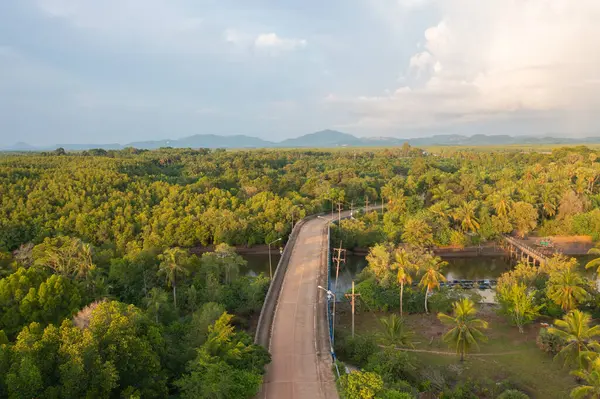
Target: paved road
{"points": [[301, 363]]}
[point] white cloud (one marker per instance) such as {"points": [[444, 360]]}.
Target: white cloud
{"points": [[492, 59], [274, 42]]}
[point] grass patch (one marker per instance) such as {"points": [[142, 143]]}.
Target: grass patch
{"points": [[508, 354]]}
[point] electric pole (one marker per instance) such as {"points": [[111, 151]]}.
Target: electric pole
{"points": [[339, 257], [366, 204], [353, 302], [339, 213]]}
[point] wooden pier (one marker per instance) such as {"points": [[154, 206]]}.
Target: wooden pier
{"points": [[520, 251]]}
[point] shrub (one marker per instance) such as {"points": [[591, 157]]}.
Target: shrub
{"points": [[512, 394], [357, 350], [393, 394], [392, 365], [549, 343], [360, 385]]}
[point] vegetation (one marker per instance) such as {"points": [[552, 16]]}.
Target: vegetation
{"points": [[465, 327], [100, 287]]}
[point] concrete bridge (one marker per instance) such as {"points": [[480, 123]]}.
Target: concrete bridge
{"points": [[521, 251], [293, 322]]}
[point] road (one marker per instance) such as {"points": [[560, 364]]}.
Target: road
{"points": [[299, 346]]}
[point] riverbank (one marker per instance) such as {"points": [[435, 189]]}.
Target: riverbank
{"points": [[241, 249], [568, 245]]}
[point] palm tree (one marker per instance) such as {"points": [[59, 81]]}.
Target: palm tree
{"points": [[502, 202], [155, 299], [432, 277], [549, 200], [172, 262], [565, 288], [403, 266], [465, 332], [594, 262], [575, 330], [465, 214], [85, 262], [592, 377], [395, 332]]}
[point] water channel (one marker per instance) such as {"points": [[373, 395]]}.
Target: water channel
{"points": [[467, 268]]}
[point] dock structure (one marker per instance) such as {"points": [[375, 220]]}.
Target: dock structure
{"points": [[519, 250]]}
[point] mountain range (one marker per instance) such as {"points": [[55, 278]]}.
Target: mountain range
{"points": [[322, 139]]}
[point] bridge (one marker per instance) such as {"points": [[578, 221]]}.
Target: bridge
{"points": [[293, 322], [521, 251]]}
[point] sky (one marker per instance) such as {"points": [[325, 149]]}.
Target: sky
{"points": [[117, 71]]}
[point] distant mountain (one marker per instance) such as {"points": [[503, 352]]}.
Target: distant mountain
{"points": [[205, 141], [20, 146], [322, 139]]}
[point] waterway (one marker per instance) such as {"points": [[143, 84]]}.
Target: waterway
{"points": [[468, 268]]}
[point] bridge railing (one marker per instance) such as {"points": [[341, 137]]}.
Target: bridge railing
{"points": [[525, 247]]}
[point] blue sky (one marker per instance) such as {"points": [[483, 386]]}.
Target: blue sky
{"points": [[87, 71]]}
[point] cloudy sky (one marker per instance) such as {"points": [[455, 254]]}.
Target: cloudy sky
{"points": [[88, 71]]}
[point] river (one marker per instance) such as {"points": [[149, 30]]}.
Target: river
{"points": [[467, 268]]}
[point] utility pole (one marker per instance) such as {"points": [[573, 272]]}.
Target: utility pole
{"points": [[366, 204], [339, 213], [353, 302], [339, 257]]}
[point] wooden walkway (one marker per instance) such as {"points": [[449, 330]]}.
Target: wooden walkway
{"points": [[521, 251]]}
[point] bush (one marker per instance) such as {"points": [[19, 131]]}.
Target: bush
{"points": [[549, 343], [357, 350], [393, 394], [512, 394], [359, 385], [393, 365]]}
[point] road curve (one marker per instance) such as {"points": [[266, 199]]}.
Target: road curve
{"points": [[301, 361]]}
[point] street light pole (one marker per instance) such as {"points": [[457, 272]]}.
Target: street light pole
{"points": [[331, 294], [270, 264]]}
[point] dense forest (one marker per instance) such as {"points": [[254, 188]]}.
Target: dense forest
{"points": [[99, 296]]}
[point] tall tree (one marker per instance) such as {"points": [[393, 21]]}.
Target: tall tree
{"points": [[465, 327], [417, 232], [379, 262], [173, 261], [432, 277], [465, 215], [404, 266], [566, 289], [575, 330]]}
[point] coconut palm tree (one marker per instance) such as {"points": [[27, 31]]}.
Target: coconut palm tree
{"points": [[465, 214], [549, 200], [403, 266], [565, 288], [465, 332], [395, 332], [173, 262], [590, 390], [575, 330], [154, 301], [432, 277], [594, 262], [502, 202]]}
